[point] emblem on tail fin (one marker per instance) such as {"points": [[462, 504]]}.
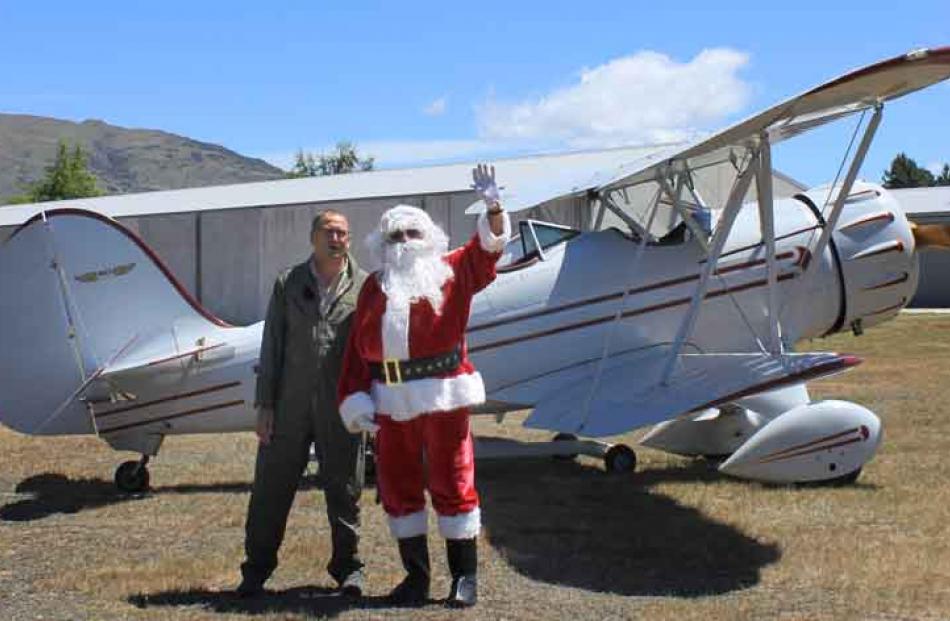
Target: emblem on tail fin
{"points": [[118, 270]]}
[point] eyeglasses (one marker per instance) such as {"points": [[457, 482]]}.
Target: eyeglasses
{"points": [[400, 236]]}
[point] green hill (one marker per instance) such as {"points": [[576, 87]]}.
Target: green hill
{"points": [[123, 160]]}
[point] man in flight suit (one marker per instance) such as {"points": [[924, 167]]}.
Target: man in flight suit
{"points": [[306, 328]]}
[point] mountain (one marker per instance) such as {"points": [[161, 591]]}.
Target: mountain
{"points": [[123, 160]]}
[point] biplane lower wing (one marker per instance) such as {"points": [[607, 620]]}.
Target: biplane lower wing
{"points": [[629, 393]]}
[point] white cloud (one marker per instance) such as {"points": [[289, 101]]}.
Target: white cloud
{"points": [[436, 107], [646, 97], [643, 98]]}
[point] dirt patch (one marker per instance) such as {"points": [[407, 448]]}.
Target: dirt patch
{"points": [[676, 540]]}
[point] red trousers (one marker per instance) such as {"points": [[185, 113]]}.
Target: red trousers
{"points": [[432, 451]]}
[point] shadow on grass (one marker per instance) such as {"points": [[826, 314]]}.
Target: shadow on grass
{"points": [[311, 601], [570, 524], [56, 493], [52, 493]]}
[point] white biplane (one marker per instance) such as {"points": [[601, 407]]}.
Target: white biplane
{"points": [[685, 321]]}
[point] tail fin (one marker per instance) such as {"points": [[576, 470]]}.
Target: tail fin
{"points": [[78, 290]]}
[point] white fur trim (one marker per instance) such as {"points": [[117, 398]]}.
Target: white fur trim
{"points": [[356, 405], [411, 525], [430, 394], [396, 330], [489, 241], [461, 526]]}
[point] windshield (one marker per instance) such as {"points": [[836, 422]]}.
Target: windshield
{"points": [[544, 234]]}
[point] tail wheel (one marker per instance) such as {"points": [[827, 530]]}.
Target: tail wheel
{"points": [[132, 477], [620, 459]]}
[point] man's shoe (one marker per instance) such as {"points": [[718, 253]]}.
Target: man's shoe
{"points": [[250, 588], [352, 585], [463, 593]]}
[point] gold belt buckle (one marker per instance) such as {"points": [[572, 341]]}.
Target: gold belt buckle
{"points": [[396, 376]]}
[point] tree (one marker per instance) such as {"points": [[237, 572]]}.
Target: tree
{"points": [[67, 177], [944, 177], [905, 173], [343, 159]]}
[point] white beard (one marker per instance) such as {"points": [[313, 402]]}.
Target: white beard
{"points": [[414, 270]]}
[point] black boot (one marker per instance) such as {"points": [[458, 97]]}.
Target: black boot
{"points": [[463, 564], [414, 589]]}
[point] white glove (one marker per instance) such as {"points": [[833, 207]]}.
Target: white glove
{"points": [[363, 421], [484, 178]]}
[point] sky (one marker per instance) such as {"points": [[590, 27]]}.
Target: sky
{"points": [[426, 82]]}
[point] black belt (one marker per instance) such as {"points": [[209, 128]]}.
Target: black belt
{"points": [[395, 371]]}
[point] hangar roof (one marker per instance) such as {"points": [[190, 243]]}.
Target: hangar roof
{"points": [[383, 183], [925, 204]]}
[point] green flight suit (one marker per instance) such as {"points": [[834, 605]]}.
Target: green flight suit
{"points": [[300, 360]]}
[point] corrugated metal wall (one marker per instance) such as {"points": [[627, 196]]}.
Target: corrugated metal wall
{"points": [[229, 259]]}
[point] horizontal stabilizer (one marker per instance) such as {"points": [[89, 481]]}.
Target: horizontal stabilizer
{"points": [[629, 393]]}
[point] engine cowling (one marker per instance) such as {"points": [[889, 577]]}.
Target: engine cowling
{"points": [[814, 442]]}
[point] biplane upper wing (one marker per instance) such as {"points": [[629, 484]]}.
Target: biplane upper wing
{"points": [[853, 92], [628, 393]]}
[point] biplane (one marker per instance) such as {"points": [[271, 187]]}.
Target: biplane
{"points": [[683, 319]]}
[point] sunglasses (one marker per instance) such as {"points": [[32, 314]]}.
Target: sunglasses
{"points": [[400, 236]]}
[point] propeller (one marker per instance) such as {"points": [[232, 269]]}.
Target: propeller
{"points": [[931, 236]]}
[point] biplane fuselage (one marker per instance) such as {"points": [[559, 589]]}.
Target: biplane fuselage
{"points": [[543, 319]]}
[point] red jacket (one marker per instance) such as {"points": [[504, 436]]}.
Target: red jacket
{"points": [[429, 334]]}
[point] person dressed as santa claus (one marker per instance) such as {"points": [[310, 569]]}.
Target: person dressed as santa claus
{"points": [[406, 376]]}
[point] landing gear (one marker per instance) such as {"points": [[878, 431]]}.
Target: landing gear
{"points": [[620, 459], [565, 437], [842, 481], [369, 464], [131, 477], [850, 478]]}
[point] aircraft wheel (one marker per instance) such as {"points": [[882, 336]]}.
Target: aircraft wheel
{"points": [[848, 479], [619, 459], [132, 477], [565, 437]]}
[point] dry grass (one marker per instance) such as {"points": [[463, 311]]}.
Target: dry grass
{"points": [[561, 539]]}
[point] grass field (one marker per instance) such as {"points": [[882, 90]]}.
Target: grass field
{"points": [[561, 539]]}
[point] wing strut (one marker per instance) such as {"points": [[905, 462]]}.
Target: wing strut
{"points": [[610, 333], [723, 227], [763, 181], [832, 220], [676, 197]]}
